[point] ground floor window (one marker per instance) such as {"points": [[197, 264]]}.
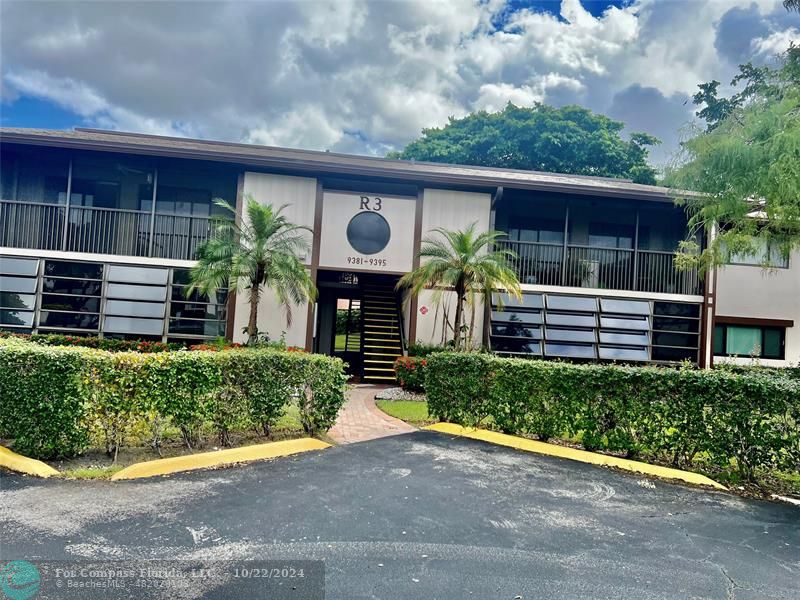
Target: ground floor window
{"points": [[749, 341]]}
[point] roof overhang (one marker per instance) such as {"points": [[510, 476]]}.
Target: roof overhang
{"points": [[329, 163]]}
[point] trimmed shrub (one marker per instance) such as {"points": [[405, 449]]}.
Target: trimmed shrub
{"points": [[410, 372], [44, 398], [52, 398], [749, 420]]}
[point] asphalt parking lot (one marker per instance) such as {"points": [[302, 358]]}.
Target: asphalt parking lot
{"points": [[420, 515]]}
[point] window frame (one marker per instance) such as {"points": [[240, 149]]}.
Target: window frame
{"points": [[763, 331]]}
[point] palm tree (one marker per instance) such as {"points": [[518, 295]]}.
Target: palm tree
{"points": [[464, 262], [261, 252]]}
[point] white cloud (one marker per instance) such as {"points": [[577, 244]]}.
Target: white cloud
{"points": [[775, 43], [355, 75]]}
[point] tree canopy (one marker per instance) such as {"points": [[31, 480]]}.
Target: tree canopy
{"points": [[746, 166], [569, 139]]}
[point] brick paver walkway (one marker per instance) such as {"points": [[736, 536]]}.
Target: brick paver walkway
{"points": [[360, 420]]}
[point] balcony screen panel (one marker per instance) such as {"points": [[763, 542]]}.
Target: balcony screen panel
{"points": [[71, 286], [18, 266], [19, 318], [70, 303], [155, 310], [569, 351], [195, 327], [23, 285], [111, 181], [529, 318], [670, 324], [69, 320], [569, 335], [41, 176], [79, 270], [13, 300], [620, 323], [137, 292], [516, 346], [571, 320], [626, 307], [516, 330], [617, 337], [676, 309], [578, 303], [528, 301], [688, 340], [612, 353], [674, 354], [133, 325], [146, 275], [197, 311]]}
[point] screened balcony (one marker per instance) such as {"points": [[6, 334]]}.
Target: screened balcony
{"points": [[108, 204], [602, 243]]}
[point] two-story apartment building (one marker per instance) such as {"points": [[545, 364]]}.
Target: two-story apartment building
{"points": [[98, 230]]}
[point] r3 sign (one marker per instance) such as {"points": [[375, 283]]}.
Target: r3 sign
{"points": [[373, 204]]}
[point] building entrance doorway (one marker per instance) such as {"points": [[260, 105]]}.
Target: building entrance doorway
{"points": [[359, 319]]}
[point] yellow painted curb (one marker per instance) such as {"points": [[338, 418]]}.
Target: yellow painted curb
{"points": [[22, 464], [204, 460], [585, 456]]}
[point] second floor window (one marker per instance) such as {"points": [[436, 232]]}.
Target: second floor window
{"points": [[765, 254]]}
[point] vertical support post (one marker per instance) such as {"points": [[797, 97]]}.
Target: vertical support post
{"points": [[635, 283], [66, 207], [152, 228], [314, 267], [413, 311], [564, 249]]}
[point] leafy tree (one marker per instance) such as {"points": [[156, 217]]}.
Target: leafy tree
{"points": [[792, 5], [570, 139], [462, 261], [260, 253], [746, 168]]}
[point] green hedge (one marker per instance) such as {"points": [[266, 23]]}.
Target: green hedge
{"points": [[53, 398], [743, 420]]}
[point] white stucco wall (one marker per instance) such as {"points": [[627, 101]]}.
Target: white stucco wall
{"points": [[450, 210], [338, 208], [430, 321], [299, 195], [756, 293]]}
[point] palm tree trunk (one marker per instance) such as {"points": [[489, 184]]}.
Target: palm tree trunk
{"points": [[252, 325], [487, 321], [459, 315]]}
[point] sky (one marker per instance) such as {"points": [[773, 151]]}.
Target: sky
{"points": [[366, 77]]}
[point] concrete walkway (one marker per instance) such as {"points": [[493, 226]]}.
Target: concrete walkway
{"points": [[360, 420]]}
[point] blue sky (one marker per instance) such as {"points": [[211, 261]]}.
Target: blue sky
{"points": [[366, 77]]}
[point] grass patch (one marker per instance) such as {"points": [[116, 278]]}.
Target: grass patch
{"points": [[410, 411], [98, 472]]}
